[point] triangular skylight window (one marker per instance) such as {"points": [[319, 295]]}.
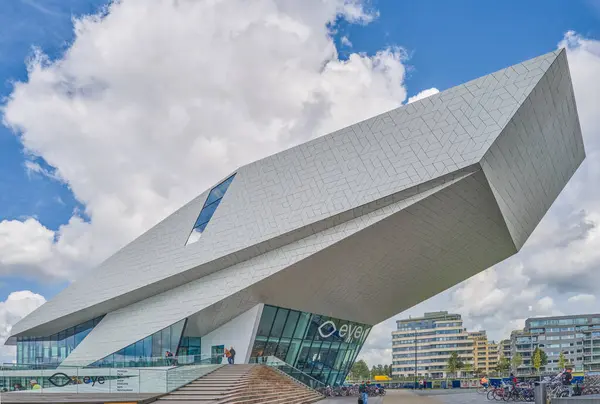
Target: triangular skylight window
{"points": [[210, 206]]}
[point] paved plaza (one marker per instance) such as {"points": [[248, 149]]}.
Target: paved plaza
{"points": [[407, 397]]}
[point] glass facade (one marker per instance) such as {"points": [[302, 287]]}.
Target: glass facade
{"points": [[54, 349], [150, 351], [210, 206], [323, 347]]}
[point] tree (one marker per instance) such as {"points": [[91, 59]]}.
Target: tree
{"points": [[543, 356], [359, 371], [468, 368], [562, 361], [517, 361], [373, 372], [454, 363], [537, 360], [503, 365], [386, 371]]}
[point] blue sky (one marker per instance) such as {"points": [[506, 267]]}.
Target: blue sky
{"points": [[445, 42]]}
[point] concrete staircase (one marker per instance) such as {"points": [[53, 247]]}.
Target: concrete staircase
{"points": [[247, 384]]}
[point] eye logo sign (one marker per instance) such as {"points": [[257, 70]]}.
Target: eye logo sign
{"points": [[62, 379], [349, 332]]}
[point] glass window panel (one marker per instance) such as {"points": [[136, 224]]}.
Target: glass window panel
{"points": [[301, 363], [148, 346], [290, 324], [176, 331], [266, 320], [139, 349], [200, 228], [157, 345], [282, 348], [166, 340], [218, 191], [332, 380], [130, 353], [258, 349], [313, 356], [324, 376], [54, 346], [195, 235], [119, 358], [207, 212], [293, 352], [303, 321], [332, 355], [70, 341], [315, 322], [61, 339], [278, 324], [271, 346]]}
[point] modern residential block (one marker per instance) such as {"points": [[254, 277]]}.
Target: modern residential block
{"points": [[574, 336], [298, 254], [485, 353], [428, 342]]}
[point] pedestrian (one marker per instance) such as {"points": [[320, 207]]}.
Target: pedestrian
{"points": [[228, 355], [363, 390], [232, 356]]}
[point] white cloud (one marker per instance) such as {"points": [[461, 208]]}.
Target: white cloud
{"points": [[423, 94], [582, 298], [16, 306], [346, 41], [154, 102]]}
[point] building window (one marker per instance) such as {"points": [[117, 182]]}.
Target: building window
{"points": [[153, 350], [54, 349], [323, 347], [210, 206]]}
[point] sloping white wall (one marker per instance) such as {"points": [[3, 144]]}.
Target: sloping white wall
{"points": [[238, 333]]}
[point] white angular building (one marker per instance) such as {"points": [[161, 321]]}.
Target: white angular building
{"points": [[298, 254]]}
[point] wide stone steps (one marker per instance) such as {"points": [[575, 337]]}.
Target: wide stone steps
{"points": [[243, 384]]}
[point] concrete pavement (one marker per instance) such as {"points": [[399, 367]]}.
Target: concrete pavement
{"points": [[408, 397]]}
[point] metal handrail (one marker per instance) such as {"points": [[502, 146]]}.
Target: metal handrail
{"points": [[274, 362], [153, 361]]}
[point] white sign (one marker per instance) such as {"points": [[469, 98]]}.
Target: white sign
{"points": [[127, 380], [348, 331]]}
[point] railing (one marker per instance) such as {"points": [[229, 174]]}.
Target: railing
{"points": [[119, 362], [116, 379], [291, 371]]}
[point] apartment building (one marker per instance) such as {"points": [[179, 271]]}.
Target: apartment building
{"points": [[523, 343], [504, 349], [591, 351], [485, 352], [428, 342], [575, 336]]}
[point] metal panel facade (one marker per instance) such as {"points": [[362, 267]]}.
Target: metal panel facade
{"points": [[358, 224]]}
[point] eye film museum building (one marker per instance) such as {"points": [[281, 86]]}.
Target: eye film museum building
{"points": [[297, 255]]}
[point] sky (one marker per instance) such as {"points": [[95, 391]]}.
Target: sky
{"points": [[116, 114]]}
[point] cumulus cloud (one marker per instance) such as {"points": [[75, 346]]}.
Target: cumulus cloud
{"points": [[16, 306], [154, 102], [423, 94]]}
